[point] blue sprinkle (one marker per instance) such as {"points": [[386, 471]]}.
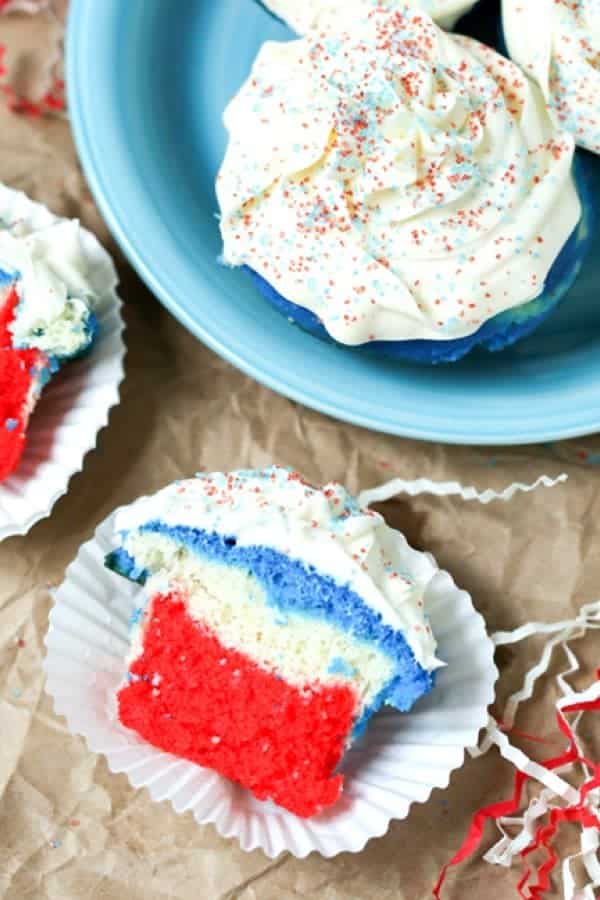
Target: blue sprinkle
{"points": [[11, 424], [55, 844]]}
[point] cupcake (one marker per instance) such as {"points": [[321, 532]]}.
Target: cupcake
{"points": [[557, 42], [303, 16], [405, 190], [276, 620], [46, 313]]}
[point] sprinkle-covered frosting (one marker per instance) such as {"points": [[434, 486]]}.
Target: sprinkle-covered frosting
{"points": [[401, 183], [302, 15], [558, 44], [50, 272], [320, 527]]}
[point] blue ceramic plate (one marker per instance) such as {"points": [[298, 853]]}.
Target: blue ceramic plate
{"points": [[148, 81]]}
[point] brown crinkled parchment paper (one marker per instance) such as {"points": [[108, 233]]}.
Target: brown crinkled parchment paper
{"points": [[69, 830]]}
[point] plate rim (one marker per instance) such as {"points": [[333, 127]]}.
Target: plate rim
{"points": [[450, 431]]}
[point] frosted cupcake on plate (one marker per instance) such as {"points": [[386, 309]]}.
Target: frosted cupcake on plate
{"points": [[302, 15], [404, 191], [277, 619], [46, 315], [557, 42]]}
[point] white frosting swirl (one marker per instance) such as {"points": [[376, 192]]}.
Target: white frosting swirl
{"points": [[302, 15], [52, 277], [558, 44], [399, 182], [321, 527]]}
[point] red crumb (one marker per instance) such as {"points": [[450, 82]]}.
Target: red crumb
{"points": [[218, 708]]}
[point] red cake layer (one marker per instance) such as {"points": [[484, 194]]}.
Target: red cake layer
{"points": [[16, 380], [193, 697], [17, 375], [7, 314]]}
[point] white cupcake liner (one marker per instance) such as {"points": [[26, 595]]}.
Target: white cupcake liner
{"points": [[399, 760], [76, 403]]}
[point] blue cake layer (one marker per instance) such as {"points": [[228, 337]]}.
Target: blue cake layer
{"points": [[497, 333], [290, 585]]}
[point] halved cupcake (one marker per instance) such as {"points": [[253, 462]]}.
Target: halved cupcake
{"points": [[404, 191], [46, 315], [277, 620]]}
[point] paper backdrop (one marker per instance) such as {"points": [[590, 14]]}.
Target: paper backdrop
{"points": [[68, 829]]}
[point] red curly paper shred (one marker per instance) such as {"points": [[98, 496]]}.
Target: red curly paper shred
{"points": [[543, 838], [545, 833], [475, 834]]}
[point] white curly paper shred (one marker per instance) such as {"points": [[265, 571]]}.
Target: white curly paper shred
{"points": [[588, 617], [451, 488], [590, 844]]}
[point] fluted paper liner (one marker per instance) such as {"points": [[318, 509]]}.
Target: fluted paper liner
{"points": [[75, 405], [399, 760]]}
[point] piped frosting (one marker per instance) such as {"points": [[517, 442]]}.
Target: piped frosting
{"points": [[557, 42]]}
